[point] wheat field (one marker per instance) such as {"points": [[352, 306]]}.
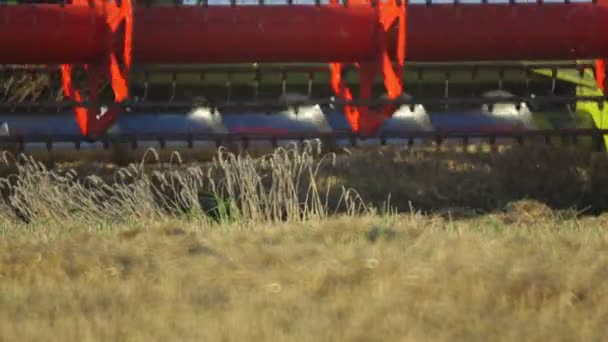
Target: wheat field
{"points": [[377, 245]]}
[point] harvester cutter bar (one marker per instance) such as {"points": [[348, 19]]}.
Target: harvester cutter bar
{"points": [[147, 107], [199, 145], [215, 137]]}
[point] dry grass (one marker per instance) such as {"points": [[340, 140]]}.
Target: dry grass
{"points": [[280, 248], [275, 186], [367, 279], [280, 187]]}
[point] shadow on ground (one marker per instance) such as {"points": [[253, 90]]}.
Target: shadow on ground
{"points": [[477, 182]]}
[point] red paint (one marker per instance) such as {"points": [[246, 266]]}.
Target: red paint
{"points": [[600, 73], [118, 20], [303, 33], [222, 34], [47, 34], [363, 119], [550, 31]]}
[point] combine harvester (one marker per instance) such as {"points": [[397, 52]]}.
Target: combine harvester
{"points": [[195, 76]]}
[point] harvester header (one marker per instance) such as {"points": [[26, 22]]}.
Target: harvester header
{"points": [[119, 44]]}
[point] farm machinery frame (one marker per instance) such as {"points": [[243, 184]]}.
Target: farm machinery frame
{"points": [[196, 76]]}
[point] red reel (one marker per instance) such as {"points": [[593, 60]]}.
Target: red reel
{"points": [[119, 18], [363, 119]]}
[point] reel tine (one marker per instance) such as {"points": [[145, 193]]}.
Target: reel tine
{"points": [[49, 96], [203, 100], [283, 83], [581, 71], [55, 96], [474, 72], [553, 80], [202, 77], [146, 85], [419, 86], [257, 78], [527, 73], [229, 87], [501, 76], [447, 89], [173, 86], [474, 76], [311, 77], [32, 76]]}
